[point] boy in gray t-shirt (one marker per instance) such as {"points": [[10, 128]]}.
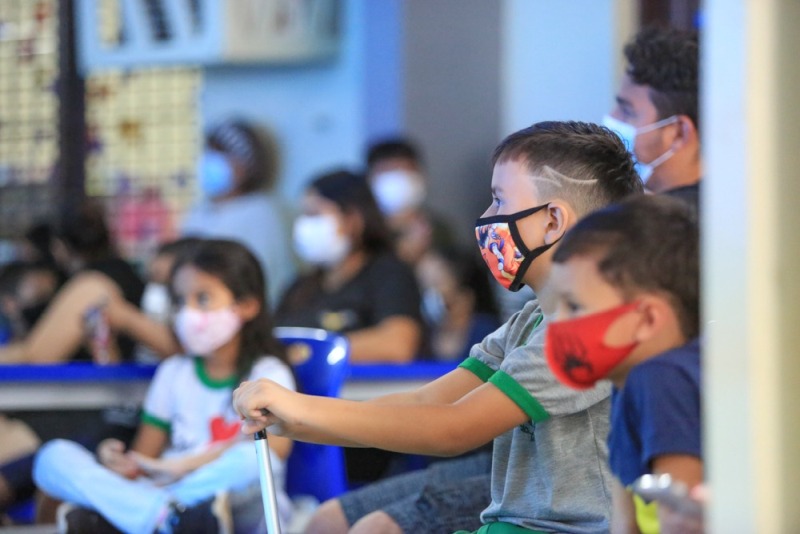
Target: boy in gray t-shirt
{"points": [[548, 468]]}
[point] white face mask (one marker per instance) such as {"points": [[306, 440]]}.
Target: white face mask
{"points": [[202, 332], [317, 240], [398, 190], [156, 303], [628, 133]]}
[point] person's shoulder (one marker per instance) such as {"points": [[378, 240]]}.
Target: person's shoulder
{"points": [[272, 367], [682, 360], [388, 262], [175, 365]]}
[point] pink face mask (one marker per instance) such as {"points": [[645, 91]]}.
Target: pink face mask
{"points": [[576, 352], [203, 332]]}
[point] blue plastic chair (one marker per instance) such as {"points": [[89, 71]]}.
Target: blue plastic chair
{"points": [[319, 359]]}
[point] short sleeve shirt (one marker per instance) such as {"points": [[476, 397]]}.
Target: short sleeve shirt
{"points": [[549, 473], [385, 287], [197, 410], [657, 412]]}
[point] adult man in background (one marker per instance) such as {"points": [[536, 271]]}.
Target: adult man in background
{"points": [[656, 111]]}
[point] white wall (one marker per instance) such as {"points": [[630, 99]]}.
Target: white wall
{"points": [[560, 59], [316, 110], [751, 260]]}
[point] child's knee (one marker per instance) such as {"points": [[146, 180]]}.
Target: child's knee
{"points": [[329, 518], [51, 456], [378, 522]]}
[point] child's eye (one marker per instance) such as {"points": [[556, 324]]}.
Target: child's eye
{"points": [[496, 201], [203, 299], [572, 307]]}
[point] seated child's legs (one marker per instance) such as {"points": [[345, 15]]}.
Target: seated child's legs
{"points": [[69, 472], [436, 495], [235, 471]]}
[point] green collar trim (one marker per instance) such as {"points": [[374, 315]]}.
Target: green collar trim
{"points": [[213, 383]]}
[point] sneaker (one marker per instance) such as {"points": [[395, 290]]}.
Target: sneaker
{"points": [[72, 519], [209, 517]]}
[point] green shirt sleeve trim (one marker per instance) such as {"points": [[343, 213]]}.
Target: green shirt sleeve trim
{"points": [[478, 368], [152, 420], [520, 396]]}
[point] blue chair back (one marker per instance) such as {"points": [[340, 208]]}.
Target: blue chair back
{"points": [[319, 359]]}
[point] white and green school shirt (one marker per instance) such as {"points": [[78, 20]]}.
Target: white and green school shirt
{"points": [[550, 473], [196, 410]]}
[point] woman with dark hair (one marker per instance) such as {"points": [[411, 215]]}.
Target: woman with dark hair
{"points": [[236, 172], [357, 285]]}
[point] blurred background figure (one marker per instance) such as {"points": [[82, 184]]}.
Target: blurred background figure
{"points": [[397, 177], [75, 318], [237, 172], [26, 289], [357, 284], [457, 302]]}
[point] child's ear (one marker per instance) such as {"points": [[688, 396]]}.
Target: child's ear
{"points": [[658, 316], [248, 308], [559, 219]]}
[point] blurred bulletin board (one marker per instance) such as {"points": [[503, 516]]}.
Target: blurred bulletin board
{"points": [[29, 112], [143, 136]]}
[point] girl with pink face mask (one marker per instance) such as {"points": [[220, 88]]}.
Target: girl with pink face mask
{"points": [[188, 455]]}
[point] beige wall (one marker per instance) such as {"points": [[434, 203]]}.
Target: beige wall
{"points": [[751, 137]]}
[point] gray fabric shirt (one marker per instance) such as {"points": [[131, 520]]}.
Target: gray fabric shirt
{"points": [[551, 473]]}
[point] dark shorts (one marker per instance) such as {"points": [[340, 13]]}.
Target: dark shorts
{"points": [[447, 496]]}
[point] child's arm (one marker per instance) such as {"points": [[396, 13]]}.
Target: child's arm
{"points": [[683, 467], [125, 317], [394, 339], [149, 442], [435, 428], [623, 512]]}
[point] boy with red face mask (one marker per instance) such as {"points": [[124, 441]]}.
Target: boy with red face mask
{"points": [[549, 469], [625, 281]]}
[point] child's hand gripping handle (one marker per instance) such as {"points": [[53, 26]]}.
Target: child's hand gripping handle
{"points": [[268, 495]]}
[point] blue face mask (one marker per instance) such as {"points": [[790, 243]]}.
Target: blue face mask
{"points": [[628, 132], [215, 173]]}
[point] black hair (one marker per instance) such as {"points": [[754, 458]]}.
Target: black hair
{"points": [[592, 166], [648, 243], [253, 147], [352, 193], [84, 231], [12, 274], [242, 274], [179, 247], [40, 237], [396, 147], [666, 61]]}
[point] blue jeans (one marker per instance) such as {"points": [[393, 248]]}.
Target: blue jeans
{"points": [[71, 473]]}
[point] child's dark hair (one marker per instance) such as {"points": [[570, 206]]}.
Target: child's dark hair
{"points": [[241, 273], [647, 243], [84, 230], [352, 193], [666, 60], [391, 148], [582, 163]]}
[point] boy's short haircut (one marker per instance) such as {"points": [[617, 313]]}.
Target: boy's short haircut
{"points": [[666, 60], [582, 163], [648, 243]]}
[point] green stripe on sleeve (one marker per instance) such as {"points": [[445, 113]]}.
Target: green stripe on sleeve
{"points": [[478, 368], [520, 396], [152, 420]]}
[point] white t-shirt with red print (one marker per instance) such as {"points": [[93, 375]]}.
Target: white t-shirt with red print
{"points": [[197, 410]]}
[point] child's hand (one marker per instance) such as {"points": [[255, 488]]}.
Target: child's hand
{"points": [[111, 453], [260, 404], [674, 521], [162, 470]]}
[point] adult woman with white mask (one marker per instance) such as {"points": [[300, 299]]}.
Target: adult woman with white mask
{"points": [[236, 172], [357, 286]]}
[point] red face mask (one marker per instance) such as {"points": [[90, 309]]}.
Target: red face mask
{"points": [[576, 352]]}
